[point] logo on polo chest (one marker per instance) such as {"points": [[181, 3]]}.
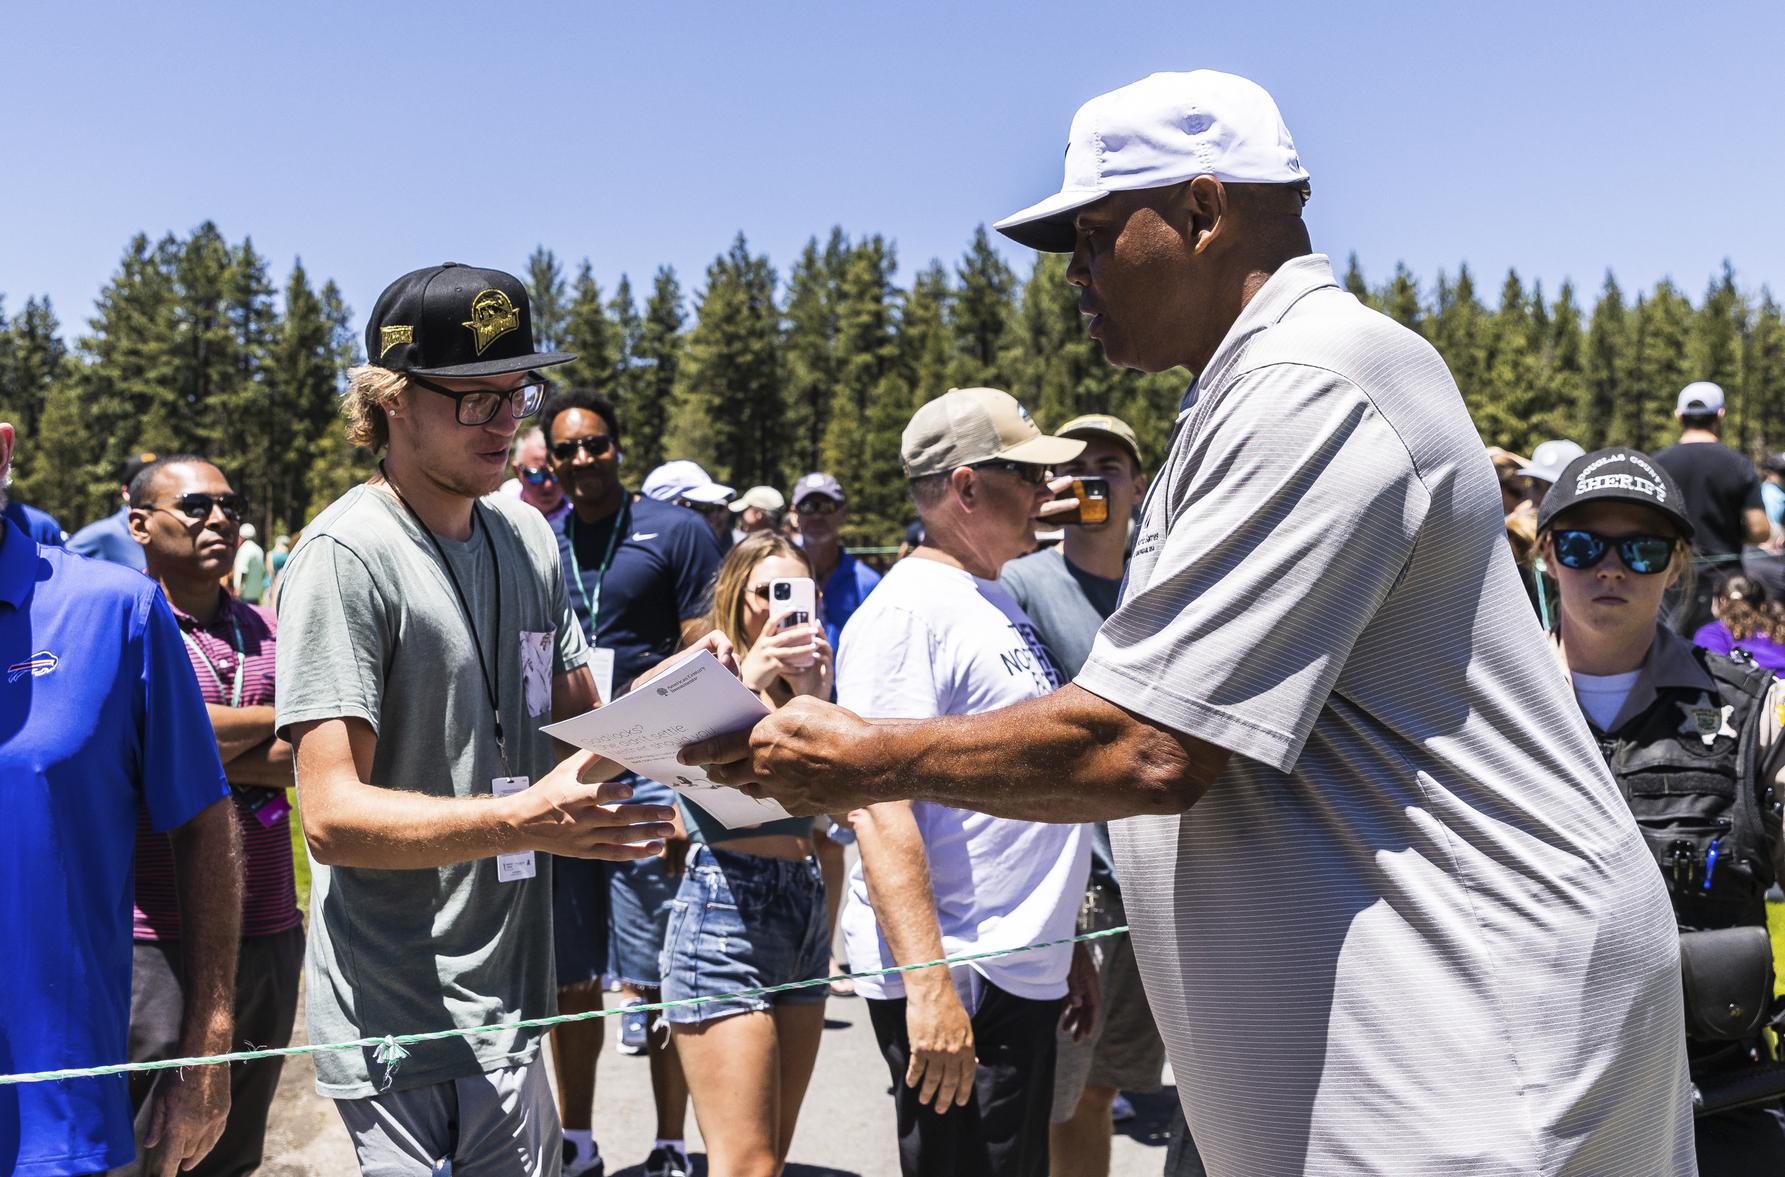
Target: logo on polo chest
{"points": [[36, 666], [492, 317]]}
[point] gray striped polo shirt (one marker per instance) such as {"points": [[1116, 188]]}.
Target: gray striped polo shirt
{"points": [[1412, 928]]}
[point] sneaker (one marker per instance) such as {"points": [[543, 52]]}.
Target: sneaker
{"points": [[1121, 1111], [666, 1162], [576, 1165], [634, 1027]]}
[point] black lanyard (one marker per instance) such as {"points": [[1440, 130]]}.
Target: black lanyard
{"points": [[489, 682]]}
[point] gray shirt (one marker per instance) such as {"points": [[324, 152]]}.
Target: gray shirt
{"points": [[370, 628], [1412, 927], [1066, 603]]}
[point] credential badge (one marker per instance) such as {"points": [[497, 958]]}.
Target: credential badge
{"points": [[492, 317]]}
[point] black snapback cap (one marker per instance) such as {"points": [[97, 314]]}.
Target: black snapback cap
{"points": [[455, 321], [1617, 474]]}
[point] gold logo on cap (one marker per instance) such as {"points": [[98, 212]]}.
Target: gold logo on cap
{"points": [[492, 317], [389, 337]]}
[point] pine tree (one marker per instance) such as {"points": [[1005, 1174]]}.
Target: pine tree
{"points": [[32, 358], [1603, 368], [628, 373], [728, 414], [1058, 371], [545, 296], [1561, 362], [870, 408], [1458, 329], [1509, 404], [980, 316], [658, 358], [1715, 353], [302, 383], [924, 336], [809, 351], [1354, 280], [335, 465], [589, 333], [1763, 370], [1399, 300], [1658, 367], [252, 436]]}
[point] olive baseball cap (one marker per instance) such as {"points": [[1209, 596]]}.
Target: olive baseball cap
{"points": [[968, 425], [1102, 425], [455, 321]]}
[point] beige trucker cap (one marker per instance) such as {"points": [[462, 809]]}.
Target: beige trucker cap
{"points": [[1102, 425], [968, 425]]}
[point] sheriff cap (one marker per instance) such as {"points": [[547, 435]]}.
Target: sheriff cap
{"points": [[1620, 475], [968, 425], [1159, 131], [455, 321]]}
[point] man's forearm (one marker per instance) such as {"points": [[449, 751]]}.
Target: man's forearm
{"points": [[364, 825], [896, 869], [267, 764], [1066, 757], [239, 729], [208, 879]]}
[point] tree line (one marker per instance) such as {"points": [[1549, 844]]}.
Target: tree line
{"points": [[762, 378]]}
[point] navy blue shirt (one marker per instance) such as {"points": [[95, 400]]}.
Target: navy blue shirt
{"points": [[109, 539], [850, 583], [664, 563], [100, 713], [39, 525]]}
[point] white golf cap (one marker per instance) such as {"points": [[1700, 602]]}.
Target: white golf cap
{"points": [[1162, 130], [683, 479], [1550, 458], [763, 498], [1701, 396]]}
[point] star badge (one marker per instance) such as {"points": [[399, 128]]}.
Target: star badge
{"points": [[1706, 720]]}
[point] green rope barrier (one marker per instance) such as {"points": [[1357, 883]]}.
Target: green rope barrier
{"points": [[389, 1050]]}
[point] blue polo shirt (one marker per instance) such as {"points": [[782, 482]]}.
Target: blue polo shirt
{"points": [[665, 560], [110, 539], [42, 526], [99, 713], [849, 585]]}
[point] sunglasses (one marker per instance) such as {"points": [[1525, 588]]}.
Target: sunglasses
{"points": [[536, 475], [708, 509], [198, 506], [1029, 472], [1644, 555], [480, 407], [817, 505], [565, 451]]}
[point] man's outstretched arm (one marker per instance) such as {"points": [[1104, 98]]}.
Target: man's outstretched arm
{"points": [[1066, 757]]}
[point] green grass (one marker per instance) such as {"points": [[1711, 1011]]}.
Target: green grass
{"points": [[300, 861]]}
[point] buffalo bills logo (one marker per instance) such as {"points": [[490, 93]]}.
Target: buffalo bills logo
{"points": [[38, 665]]}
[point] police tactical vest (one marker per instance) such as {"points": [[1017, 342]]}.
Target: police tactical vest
{"points": [[1687, 767]]}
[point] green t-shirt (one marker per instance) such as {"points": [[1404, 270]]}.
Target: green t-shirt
{"points": [[369, 627]]}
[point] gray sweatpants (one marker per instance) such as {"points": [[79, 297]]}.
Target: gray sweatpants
{"points": [[498, 1124]]}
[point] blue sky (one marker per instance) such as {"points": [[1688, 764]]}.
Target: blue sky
{"points": [[1562, 138]]}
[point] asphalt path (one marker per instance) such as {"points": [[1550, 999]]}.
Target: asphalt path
{"points": [[845, 1130]]}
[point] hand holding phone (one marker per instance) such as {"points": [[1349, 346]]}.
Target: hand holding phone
{"points": [[793, 600], [1092, 497]]}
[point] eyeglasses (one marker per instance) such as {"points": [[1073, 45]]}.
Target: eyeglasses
{"points": [[478, 407], [818, 505], [198, 506], [1644, 555], [594, 446], [536, 475], [759, 591], [1029, 472]]}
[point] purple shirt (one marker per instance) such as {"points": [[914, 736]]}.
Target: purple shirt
{"points": [[1716, 638]]}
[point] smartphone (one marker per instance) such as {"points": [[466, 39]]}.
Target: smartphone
{"points": [[1093, 502], [793, 600]]}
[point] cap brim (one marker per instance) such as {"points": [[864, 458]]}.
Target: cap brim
{"points": [[539, 359], [714, 493], [1534, 472], [1042, 451], [1086, 432], [1047, 226]]}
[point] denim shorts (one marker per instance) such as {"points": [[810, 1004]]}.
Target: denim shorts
{"points": [[638, 897], [743, 921]]}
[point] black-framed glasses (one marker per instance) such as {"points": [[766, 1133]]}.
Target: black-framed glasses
{"points": [[817, 505], [1029, 472], [536, 476], [198, 506], [480, 406], [594, 445], [1644, 555]]}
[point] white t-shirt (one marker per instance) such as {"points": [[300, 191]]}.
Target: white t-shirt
{"points": [[936, 640], [1602, 695]]}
